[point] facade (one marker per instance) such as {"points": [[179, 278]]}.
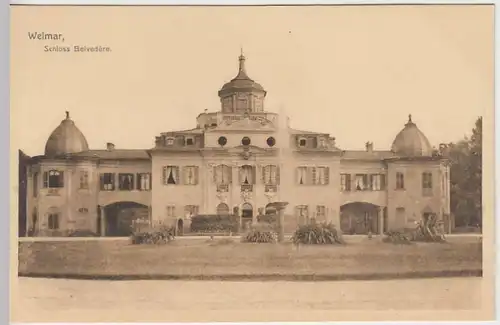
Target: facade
{"points": [[236, 160]]}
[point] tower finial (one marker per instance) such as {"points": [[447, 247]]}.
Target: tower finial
{"points": [[242, 71], [67, 115], [409, 118]]}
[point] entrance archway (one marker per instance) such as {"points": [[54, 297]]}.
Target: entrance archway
{"points": [[119, 218], [223, 209], [359, 218]]}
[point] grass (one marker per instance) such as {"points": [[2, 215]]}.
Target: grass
{"points": [[195, 257]]}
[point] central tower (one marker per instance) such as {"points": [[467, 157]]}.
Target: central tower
{"points": [[242, 94]]}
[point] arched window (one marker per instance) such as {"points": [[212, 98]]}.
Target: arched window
{"points": [[223, 209]]}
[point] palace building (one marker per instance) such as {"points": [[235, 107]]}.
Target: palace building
{"points": [[235, 160]]}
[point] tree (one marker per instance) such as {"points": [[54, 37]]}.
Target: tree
{"points": [[466, 177]]}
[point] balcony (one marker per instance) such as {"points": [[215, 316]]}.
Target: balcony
{"points": [[222, 188], [247, 187], [271, 188]]}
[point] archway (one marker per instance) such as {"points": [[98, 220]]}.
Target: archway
{"points": [[247, 211], [359, 218], [222, 209], [180, 227], [119, 218]]}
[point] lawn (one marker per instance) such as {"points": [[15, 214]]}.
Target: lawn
{"points": [[202, 257]]}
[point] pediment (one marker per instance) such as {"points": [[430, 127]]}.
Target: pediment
{"points": [[246, 124]]}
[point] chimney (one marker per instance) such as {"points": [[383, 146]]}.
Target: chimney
{"points": [[369, 146], [110, 146]]}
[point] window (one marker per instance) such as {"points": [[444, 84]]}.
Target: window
{"points": [[377, 182], [190, 175], [53, 179], [427, 183], [242, 104], [247, 175], [302, 175], [126, 182], [361, 182], [222, 175], [189, 141], [302, 213], [171, 211], [84, 179], [313, 175], [270, 175], [107, 182], [302, 142], [320, 212], [345, 182], [35, 184], [400, 181], [321, 175], [191, 210], [170, 141], [170, 175], [144, 181], [246, 141], [53, 221]]}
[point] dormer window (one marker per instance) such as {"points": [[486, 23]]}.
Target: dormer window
{"points": [[189, 141], [170, 141], [302, 142]]}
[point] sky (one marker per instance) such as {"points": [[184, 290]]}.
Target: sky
{"points": [[355, 72]]}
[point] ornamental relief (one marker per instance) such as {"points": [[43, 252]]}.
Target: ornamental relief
{"points": [[222, 196], [246, 195]]}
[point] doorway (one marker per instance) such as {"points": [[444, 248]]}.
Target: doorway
{"points": [[180, 227]]}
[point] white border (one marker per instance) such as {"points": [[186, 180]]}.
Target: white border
{"points": [[5, 112]]}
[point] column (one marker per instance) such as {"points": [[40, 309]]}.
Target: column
{"points": [[103, 221], [380, 212]]}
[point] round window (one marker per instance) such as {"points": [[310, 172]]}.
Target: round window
{"points": [[222, 141], [245, 141], [271, 141]]}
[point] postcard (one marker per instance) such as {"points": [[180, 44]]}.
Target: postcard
{"points": [[252, 163]]}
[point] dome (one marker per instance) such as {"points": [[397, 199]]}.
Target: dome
{"points": [[242, 82], [411, 142], [66, 138]]}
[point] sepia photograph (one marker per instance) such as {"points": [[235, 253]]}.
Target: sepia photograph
{"points": [[252, 163]]}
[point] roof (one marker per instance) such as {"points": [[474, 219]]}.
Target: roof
{"points": [[115, 154], [242, 81], [190, 131], [411, 142], [367, 155], [66, 139]]}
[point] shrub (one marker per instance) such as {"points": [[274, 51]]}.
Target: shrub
{"points": [[428, 230], [267, 218], [322, 233], [396, 237], [214, 223], [145, 233], [261, 233]]}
